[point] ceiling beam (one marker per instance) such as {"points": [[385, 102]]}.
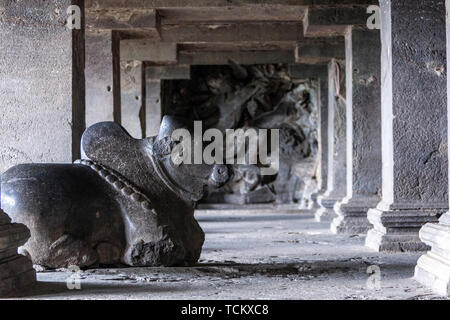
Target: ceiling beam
{"points": [[122, 19], [237, 46], [144, 50], [308, 71], [96, 4], [233, 14], [334, 21], [240, 57], [233, 32], [223, 32], [169, 72], [320, 50]]}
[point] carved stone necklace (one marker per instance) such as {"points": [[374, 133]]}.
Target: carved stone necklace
{"points": [[120, 184]]}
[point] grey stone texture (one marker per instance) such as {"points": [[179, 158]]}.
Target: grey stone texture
{"points": [[414, 132], [132, 98], [168, 72], [16, 271], [320, 50], [322, 168], [363, 48], [153, 112], [100, 80], [146, 50], [41, 83], [336, 180], [316, 184], [433, 268], [274, 255]]}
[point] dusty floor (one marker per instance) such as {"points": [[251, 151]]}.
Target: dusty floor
{"points": [[257, 255]]}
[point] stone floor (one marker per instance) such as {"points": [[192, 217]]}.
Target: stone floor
{"points": [[256, 254]]}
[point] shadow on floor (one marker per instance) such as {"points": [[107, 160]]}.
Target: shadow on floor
{"points": [[308, 268], [46, 289], [258, 218]]}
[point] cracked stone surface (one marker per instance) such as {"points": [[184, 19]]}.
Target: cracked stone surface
{"points": [[250, 255]]}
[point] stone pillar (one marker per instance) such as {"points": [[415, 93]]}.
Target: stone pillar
{"points": [[414, 130], [153, 112], [363, 76], [336, 180], [154, 74], [132, 97], [433, 268], [102, 84], [322, 172], [42, 86], [16, 271]]}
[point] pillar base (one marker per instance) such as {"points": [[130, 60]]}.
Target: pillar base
{"points": [[398, 230], [314, 201], [326, 211], [352, 216], [433, 272], [433, 268]]}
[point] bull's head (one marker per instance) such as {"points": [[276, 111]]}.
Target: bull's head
{"points": [[110, 144], [192, 179]]}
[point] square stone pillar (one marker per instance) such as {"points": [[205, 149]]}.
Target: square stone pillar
{"points": [[414, 128], [363, 76], [317, 185], [154, 74], [132, 98], [322, 172], [42, 85], [336, 180], [153, 112], [103, 100], [433, 268]]}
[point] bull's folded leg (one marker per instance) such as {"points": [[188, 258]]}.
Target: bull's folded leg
{"points": [[69, 251], [154, 253], [108, 253]]}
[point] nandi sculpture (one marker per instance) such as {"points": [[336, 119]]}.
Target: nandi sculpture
{"points": [[128, 203]]}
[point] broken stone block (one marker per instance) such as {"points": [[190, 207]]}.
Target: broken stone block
{"points": [[16, 271]]}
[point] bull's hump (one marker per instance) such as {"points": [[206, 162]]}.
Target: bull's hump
{"points": [[109, 144]]}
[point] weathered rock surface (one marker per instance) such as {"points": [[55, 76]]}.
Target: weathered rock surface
{"points": [[16, 271]]}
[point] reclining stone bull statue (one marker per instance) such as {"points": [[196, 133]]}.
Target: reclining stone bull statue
{"points": [[129, 203]]}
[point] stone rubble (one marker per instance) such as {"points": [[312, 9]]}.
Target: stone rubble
{"points": [[16, 271]]}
